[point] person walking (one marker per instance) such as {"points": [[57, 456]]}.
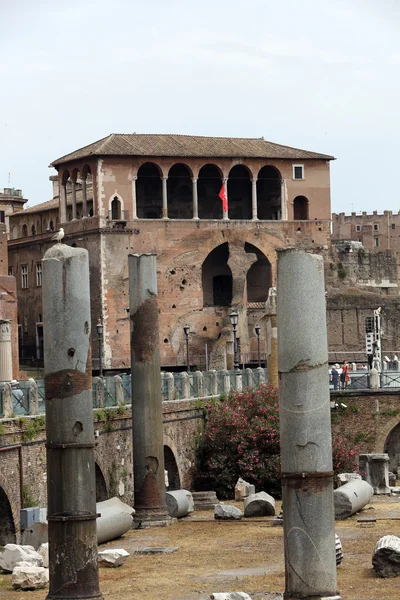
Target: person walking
{"points": [[345, 375]]}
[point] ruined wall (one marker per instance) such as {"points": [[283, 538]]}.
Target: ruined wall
{"points": [[367, 269]]}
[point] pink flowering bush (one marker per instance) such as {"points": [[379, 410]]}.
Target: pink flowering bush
{"points": [[241, 439]]}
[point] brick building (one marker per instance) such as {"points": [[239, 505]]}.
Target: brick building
{"points": [[11, 201], [375, 231], [159, 193]]}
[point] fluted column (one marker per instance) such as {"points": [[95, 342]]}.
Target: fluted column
{"points": [[225, 215], [254, 199], [134, 206], [195, 199], [6, 373], [164, 198], [84, 198], [73, 194]]}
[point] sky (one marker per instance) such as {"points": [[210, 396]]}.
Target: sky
{"points": [[323, 75]]}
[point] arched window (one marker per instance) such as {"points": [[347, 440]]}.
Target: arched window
{"points": [[116, 209], [239, 193], [149, 192], [269, 194], [51, 226], [14, 232], [259, 276], [33, 230], [208, 187], [217, 278], [24, 230], [180, 192], [300, 208]]}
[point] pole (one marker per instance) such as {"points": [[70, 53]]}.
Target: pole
{"points": [[206, 357], [71, 487], [147, 429], [100, 336], [305, 428], [235, 349], [187, 353]]}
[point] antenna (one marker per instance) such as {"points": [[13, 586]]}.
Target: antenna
{"points": [[9, 179]]}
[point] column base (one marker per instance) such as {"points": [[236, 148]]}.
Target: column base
{"points": [[51, 596], [287, 596], [146, 523]]}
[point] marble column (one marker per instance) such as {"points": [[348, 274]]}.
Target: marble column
{"points": [[164, 198], [134, 206], [195, 199], [84, 198], [225, 215], [284, 201], [254, 199], [6, 372], [63, 203], [73, 194]]}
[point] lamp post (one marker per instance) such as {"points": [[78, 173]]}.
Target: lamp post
{"points": [[257, 330], [99, 328], [186, 329], [234, 321]]}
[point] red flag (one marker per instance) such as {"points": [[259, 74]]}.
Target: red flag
{"points": [[224, 198]]}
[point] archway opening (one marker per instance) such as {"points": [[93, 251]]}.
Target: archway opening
{"points": [[33, 230], [101, 487], [392, 447], [208, 187], [24, 230], [300, 208], [7, 526], [239, 193], [149, 192], [269, 194], [174, 481], [259, 276], [180, 192], [217, 277], [115, 209]]}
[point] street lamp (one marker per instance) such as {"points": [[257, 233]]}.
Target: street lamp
{"points": [[186, 329], [99, 328], [233, 317], [257, 330]]}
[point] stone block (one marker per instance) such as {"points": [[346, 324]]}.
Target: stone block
{"points": [[386, 556], [227, 512], [376, 469], [35, 535], [230, 596], [12, 554], [114, 557], [44, 553], [259, 505], [346, 477], [179, 503], [243, 489], [29, 577]]}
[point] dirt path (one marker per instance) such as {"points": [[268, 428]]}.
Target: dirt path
{"points": [[233, 556]]}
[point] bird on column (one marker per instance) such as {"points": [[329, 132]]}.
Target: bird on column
{"points": [[59, 235]]}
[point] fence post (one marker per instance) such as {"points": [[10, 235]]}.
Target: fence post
{"points": [[238, 382], [198, 384], [8, 408], [227, 382], [119, 390], [33, 397], [214, 382], [170, 386], [374, 379], [250, 378], [185, 386], [261, 375], [98, 392]]}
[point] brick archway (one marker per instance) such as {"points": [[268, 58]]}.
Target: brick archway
{"points": [[9, 511]]}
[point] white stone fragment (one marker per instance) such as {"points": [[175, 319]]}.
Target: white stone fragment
{"points": [[346, 477], [386, 556], [114, 557], [230, 596], [243, 489], [44, 553], [227, 512], [29, 578], [15, 553], [259, 505]]}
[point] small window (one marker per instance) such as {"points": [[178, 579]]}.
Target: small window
{"points": [[393, 226], [2, 216], [39, 274], [376, 227], [358, 227], [10, 272], [298, 171], [24, 276], [376, 242]]}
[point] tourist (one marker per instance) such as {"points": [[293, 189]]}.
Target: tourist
{"points": [[345, 375], [335, 377]]}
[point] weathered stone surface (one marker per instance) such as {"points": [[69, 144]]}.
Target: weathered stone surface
{"points": [[259, 505], [114, 557], [35, 535], [156, 550], [29, 578], [386, 556], [351, 497], [44, 553], [346, 477], [339, 549], [179, 503], [205, 500], [14, 553], [230, 596], [227, 512], [243, 489], [376, 469]]}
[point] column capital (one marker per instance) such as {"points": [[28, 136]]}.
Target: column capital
{"points": [[164, 177], [134, 177], [254, 180], [194, 179]]}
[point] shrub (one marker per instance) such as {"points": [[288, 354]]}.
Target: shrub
{"points": [[241, 439]]}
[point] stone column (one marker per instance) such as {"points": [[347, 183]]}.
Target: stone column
{"points": [[272, 339], [71, 484], [134, 205], [164, 198], [33, 397], [147, 429], [225, 215], [84, 198], [63, 203], [73, 194], [8, 409], [254, 199], [195, 199], [305, 428], [6, 372], [284, 201], [119, 390]]}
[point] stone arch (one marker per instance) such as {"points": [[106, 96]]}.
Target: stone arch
{"points": [[180, 192], [149, 191], [101, 486], [259, 276], [389, 441], [239, 193], [33, 230], [209, 184], [8, 532], [75, 174], [217, 278], [300, 208], [171, 466], [116, 207], [269, 205]]}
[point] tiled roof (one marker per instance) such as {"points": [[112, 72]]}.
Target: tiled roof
{"points": [[138, 144], [54, 203]]}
